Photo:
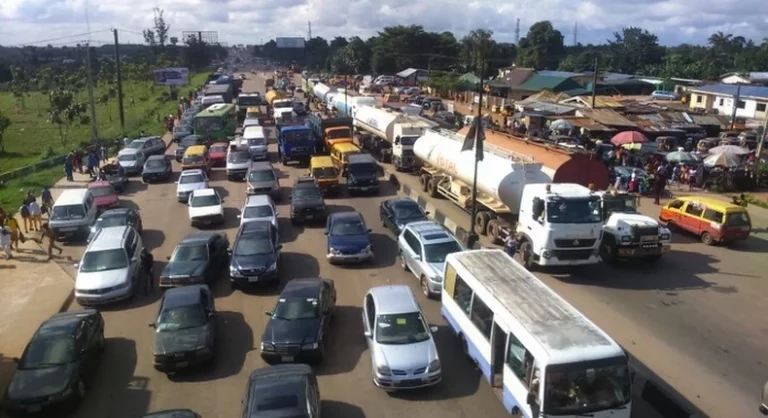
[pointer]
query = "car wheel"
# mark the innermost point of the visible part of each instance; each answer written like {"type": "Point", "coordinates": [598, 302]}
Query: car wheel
{"type": "Point", "coordinates": [425, 287]}
{"type": "Point", "coordinates": [403, 265]}
{"type": "Point", "coordinates": [707, 239]}
{"type": "Point", "coordinates": [608, 252]}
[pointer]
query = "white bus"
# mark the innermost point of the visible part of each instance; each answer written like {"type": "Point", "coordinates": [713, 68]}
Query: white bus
{"type": "Point", "coordinates": [524, 337]}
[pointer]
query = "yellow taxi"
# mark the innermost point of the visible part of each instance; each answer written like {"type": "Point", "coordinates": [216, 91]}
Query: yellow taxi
{"type": "Point", "coordinates": [196, 156]}
{"type": "Point", "coordinates": [712, 220]}
{"type": "Point", "coordinates": [322, 168]}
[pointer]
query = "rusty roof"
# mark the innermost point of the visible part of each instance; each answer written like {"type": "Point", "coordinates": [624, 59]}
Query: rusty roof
{"type": "Point", "coordinates": [605, 117]}
{"type": "Point", "coordinates": [548, 96]}
{"type": "Point", "coordinates": [585, 123]}
{"type": "Point", "coordinates": [710, 120]}
{"type": "Point", "coordinates": [601, 102]}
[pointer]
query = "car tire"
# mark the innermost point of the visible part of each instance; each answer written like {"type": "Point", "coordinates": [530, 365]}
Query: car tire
{"type": "Point", "coordinates": [425, 288]}
{"type": "Point", "coordinates": [403, 265]}
{"type": "Point", "coordinates": [707, 239]}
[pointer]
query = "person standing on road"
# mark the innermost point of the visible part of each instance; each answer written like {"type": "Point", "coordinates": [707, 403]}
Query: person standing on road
{"type": "Point", "coordinates": [68, 167]}
{"type": "Point", "coordinates": [25, 216]}
{"type": "Point", "coordinates": [47, 199]}
{"type": "Point", "coordinates": [16, 235]}
{"type": "Point", "coordinates": [35, 216]}
{"type": "Point", "coordinates": [103, 154]}
{"type": "Point", "coordinates": [148, 265]}
{"type": "Point", "coordinates": [5, 242]}
{"type": "Point", "coordinates": [48, 233]}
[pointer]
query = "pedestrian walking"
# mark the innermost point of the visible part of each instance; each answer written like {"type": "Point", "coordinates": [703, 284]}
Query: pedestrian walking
{"type": "Point", "coordinates": [35, 216]}
{"type": "Point", "coordinates": [126, 142]}
{"type": "Point", "coordinates": [93, 163]}
{"type": "Point", "coordinates": [79, 161]}
{"type": "Point", "coordinates": [51, 236]}
{"type": "Point", "coordinates": [16, 235]}
{"type": "Point", "coordinates": [25, 216]}
{"type": "Point", "coordinates": [148, 264]}
{"type": "Point", "coordinates": [47, 199]}
{"type": "Point", "coordinates": [103, 154]}
{"type": "Point", "coordinates": [5, 242]}
{"type": "Point", "coordinates": [69, 167]}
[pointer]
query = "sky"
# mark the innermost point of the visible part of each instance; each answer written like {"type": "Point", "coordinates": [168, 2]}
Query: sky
{"type": "Point", "coordinates": [257, 21]}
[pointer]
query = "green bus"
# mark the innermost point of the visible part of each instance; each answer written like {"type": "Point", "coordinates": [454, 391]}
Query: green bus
{"type": "Point", "coordinates": [216, 122]}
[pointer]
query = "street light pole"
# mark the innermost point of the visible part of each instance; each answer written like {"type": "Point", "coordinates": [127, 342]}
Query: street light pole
{"type": "Point", "coordinates": [472, 237]}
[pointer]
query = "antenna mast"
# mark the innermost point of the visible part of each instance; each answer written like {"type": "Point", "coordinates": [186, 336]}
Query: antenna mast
{"type": "Point", "coordinates": [575, 33]}
{"type": "Point", "coordinates": [309, 30]}
{"type": "Point", "coordinates": [517, 32]}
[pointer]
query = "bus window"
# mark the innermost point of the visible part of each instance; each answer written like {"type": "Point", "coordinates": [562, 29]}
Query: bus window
{"type": "Point", "coordinates": [482, 317]}
{"type": "Point", "coordinates": [462, 295]}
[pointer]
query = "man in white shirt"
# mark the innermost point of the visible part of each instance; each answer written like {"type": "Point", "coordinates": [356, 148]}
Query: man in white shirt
{"type": "Point", "coordinates": [5, 242]}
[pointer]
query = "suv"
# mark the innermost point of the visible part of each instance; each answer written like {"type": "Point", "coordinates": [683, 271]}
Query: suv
{"type": "Point", "coordinates": [307, 201]}
{"type": "Point", "coordinates": [111, 266]}
{"type": "Point", "coordinates": [403, 351]}
{"type": "Point", "coordinates": [262, 179]}
{"type": "Point", "coordinates": [131, 160]}
{"type": "Point", "coordinates": [153, 145]}
{"type": "Point", "coordinates": [348, 238]}
{"type": "Point", "coordinates": [362, 174]}
{"type": "Point", "coordinates": [422, 248]}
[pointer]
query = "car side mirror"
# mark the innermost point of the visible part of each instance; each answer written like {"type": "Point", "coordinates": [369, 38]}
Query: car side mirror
{"type": "Point", "coordinates": [269, 314]}
{"type": "Point", "coordinates": [417, 257]}
{"type": "Point", "coordinates": [176, 182]}
{"type": "Point", "coordinates": [433, 328]}
{"type": "Point", "coordinates": [76, 265]}
{"type": "Point", "coordinates": [277, 213]}
{"type": "Point", "coordinates": [239, 216]}
{"type": "Point", "coordinates": [367, 334]}
{"type": "Point", "coordinates": [152, 325]}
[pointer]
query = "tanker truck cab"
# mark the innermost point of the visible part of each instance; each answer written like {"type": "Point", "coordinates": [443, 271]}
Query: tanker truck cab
{"type": "Point", "coordinates": [627, 233]}
{"type": "Point", "coordinates": [559, 225]}
{"type": "Point", "coordinates": [406, 135]}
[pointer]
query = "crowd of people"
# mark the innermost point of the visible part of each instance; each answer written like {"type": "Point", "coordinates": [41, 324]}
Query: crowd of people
{"type": "Point", "coordinates": [31, 213]}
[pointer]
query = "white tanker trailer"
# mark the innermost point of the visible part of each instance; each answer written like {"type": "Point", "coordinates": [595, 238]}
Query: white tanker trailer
{"type": "Point", "coordinates": [388, 134]}
{"type": "Point", "coordinates": [556, 223]}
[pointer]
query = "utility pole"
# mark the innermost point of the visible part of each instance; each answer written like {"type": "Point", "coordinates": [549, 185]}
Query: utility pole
{"type": "Point", "coordinates": [594, 81]}
{"type": "Point", "coordinates": [736, 101]}
{"type": "Point", "coordinates": [472, 236]}
{"type": "Point", "coordinates": [759, 150]}
{"type": "Point", "coordinates": [94, 129]}
{"type": "Point", "coordinates": [119, 76]}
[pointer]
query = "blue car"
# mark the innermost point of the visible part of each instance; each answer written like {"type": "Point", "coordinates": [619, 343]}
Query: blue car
{"type": "Point", "coordinates": [348, 238]}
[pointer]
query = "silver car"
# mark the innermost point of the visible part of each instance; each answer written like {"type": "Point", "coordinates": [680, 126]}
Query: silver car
{"type": "Point", "coordinates": [422, 248]}
{"type": "Point", "coordinates": [131, 160]}
{"type": "Point", "coordinates": [403, 351]}
{"type": "Point", "coordinates": [152, 145]}
{"type": "Point", "coordinates": [262, 179]}
{"type": "Point", "coordinates": [259, 208]}
{"type": "Point", "coordinates": [189, 181]}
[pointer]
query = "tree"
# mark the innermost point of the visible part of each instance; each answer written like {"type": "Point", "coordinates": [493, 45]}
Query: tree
{"type": "Point", "coordinates": [5, 122]}
{"type": "Point", "coordinates": [19, 85]}
{"type": "Point", "coordinates": [633, 50]}
{"type": "Point", "coordinates": [65, 111]}
{"type": "Point", "coordinates": [197, 54]}
{"type": "Point", "coordinates": [161, 28]}
{"type": "Point", "coordinates": [542, 47]}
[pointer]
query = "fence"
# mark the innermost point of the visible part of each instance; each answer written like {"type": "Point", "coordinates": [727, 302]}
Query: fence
{"type": "Point", "coordinates": [32, 168]}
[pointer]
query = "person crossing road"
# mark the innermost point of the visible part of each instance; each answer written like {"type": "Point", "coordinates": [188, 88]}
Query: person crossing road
{"type": "Point", "coordinates": [147, 264]}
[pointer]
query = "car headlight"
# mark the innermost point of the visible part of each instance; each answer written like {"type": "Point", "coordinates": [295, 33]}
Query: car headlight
{"type": "Point", "coordinates": [437, 279]}
{"type": "Point", "coordinates": [368, 248]}
{"type": "Point", "coordinates": [434, 366]}
{"type": "Point", "coordinates": [267, 347]}
{"type": "Point", "coordinates": [626, 238]}
{"type": "Point", "coordinates": [384, 371]}
{"type": "Point", "coordinates": [333, 251]}
{"type": "Point", "coordinates": [665, 236]}
{"type": "Point", "coordinates": [311, 346]}
{"type": "Point", "coordinates": [234, 272]}
{"type": "Point", "coordinates": [273, 267]}
{"type": "Point", "coordinates": [64, 394]}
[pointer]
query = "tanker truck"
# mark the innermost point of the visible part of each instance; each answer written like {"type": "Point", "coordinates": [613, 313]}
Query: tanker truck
{"type": "Point", "coordinates": [389, 134]}
{"type": "Point", "coordinates": [321, 91]}
{"type": "Point", "coordinates": [556, 224]}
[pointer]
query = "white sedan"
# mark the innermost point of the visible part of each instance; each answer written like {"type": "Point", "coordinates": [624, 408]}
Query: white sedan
{"type": "Point", "coordinates": [205, 207]}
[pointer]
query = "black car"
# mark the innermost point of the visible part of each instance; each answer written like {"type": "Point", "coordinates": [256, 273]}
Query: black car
{"type": "Point", "coordinates": [157, 168]}
{"type": "Point", "coordinates": [362, 174]}
{"type": "Point", "coordinates": [300, 322]}
{"type": "Point", "coordinates": [184, 129]}
{"type": "Point", "coordinates": [117, 217]}
{"type": "Point", "coordinates": [286, 390]}
{"type": "Point", "coordinates": [198, 258]}
{"type": "Point", "coordinates": [307, 203]}
{"type": "Point", "coordinates": [255, 254]}
{"type": "Point", "coordinates": [185, 328]}
{"type": "Point", "coordinates": [173, 413]}
{"type": "Point", "coordinates": [57, 363]}
{"type": "Point", "coordinates": [398, 212]}
{"type": "Point", "coordinates": [185, 143]}
{"type": "Point", "coordinates": [115, 175]}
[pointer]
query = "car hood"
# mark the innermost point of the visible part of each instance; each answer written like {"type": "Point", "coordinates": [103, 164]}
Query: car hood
{"type": "Point", "coordinates": [101, 279]}
{"type": "Point", "coordinates": [362, 177]}
{"type": "Point", "coordinates": [298, 331]}
{"type": "Point", "coordinates": [154, 170]}
{"type": "Point", "coordinates": [436, 269]}
{"type": "Point", "coordinates": [182, 340]}
{"type": "Point", "coordinates": [127, 163]}
{"type": "Point", "coordinates": [188, 187]}
{"type": "Point", "coordinates": [271, 219]}
{"type": "Point", "coordinates": [351, 242]}
{"type": "Point", "coordinates": [105, 200]}
{"type": "Point", "coordinates": [218, 155]}
{"type": "Point", "coordinates": [307, 203]}
{"type": "Point", "coordinates": [47, 381]}
{"type": "Point", "coordinates": [184, 268]}
{"type": "Point", "coordinates": [255, 261]}
{"type": "Point", "coordinates": [261, 184]}
{"type": "Point", "coordinates": [205, 211]}
{"type": "Point", "coordinates": [628, 220]}
{"type": "Point", "coordinates": [406, 356]}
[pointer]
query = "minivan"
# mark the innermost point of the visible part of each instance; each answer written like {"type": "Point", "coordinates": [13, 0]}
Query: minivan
{"type": "Point", "coordinates": [712, 220]}
{"type": "Point", "coordinates": [362, 174]}
{"type": "Point", "coordinates": [262, 179]}
{"type": "Point", "coordinates": [196, 156]}
{"type": "Point", "coordinates": [257, 142]}
{"type": "Point", "coordinates": [73, 213]}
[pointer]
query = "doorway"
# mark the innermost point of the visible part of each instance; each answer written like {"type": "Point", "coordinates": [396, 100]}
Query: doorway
{"type": "Point", "coordinates": [498, 346]}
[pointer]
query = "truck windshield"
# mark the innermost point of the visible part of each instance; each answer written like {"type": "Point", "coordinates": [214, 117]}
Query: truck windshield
{"type": "Point", "coordinates": [579, 388]}
{"type": "Point", "coordinates": [249, 101]}
{"type": "Point", "coordinates": [573, 211]}
{"type": "Point", "coordinates": [296, 136]}
{"type": "Point", "coordinates": [621, 203]}
{"type": "Point", "coordinates": [338, 133]}
{"type": "Point", "coordinates": [408, 140]}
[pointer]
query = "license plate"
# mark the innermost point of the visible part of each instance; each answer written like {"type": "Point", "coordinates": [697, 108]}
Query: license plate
{"type": "Point", "coordinates": [68, 229]}
{"type": "Point", "coordinates": [253, 279]}
{"type": "Point", "coordinates": [33, 409]}
{"type": "Point", "coordinates": [182, 364]}
{"type": "Point", "coordinates": [287, 359]}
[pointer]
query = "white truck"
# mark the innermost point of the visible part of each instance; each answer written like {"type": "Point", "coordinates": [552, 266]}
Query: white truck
{"type": "Point", "coordinates": [556, 224]}
{"type": "Point", "coordinates": [389, 134]}
{"type": "Point", "coordinates": [282, 110]}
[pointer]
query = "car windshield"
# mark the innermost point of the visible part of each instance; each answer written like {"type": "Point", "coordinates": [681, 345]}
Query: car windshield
{"type": "Point", "coordinates": [739, 219]}
{"type": "Point", "coordinates": [574, 389]}
{"type": "Point", "coordinates": [105, 222]}
{"type": "Point", "coordinates": [206, 200]}
{"type": "Point", "coordinates": [102, 191]}
{"type": "Point", "coordinates": [261, 175]}
{"type": "Point", "coordinates": [195, 252]}
{"type": "Point", "coordinates": [296, 308]}
{"type": "Point", "coordinates": [193, 159]}
{"type": "Point", "coordinates": [251, 212]}
{"type": "Point", "coordinates": [238, 157]}
{"type": "Point", "coordinates": [408, 211]}
{"type": "Point", "coordinates": [104, 260]}
{"type": "Point", "coordinates": [180, 317]}
{"type": "Point", "coordinates": [407, 328]}
{"type": "Point", "coordinates": [620, 203]}
{"type": "Point", "coordinates": [257, 142]}
{"type": "Point", "coordinates": [46, 352]}
{"type": "Point", "coordinates": [126, 157]}
{"type": "Point", "coordinates": [185, 143]}
{"type": "Point", "coordinates": [573, 211]}
{"type": "Point", "coordinates": [68, 212]}
{"type": "Point", "coordinates": [347, 227]}
{"type": "Point", "coordinates": [155, 164]}
{"type": "Point", "coordinates": [191, 178]}
{"type": "Point", "coordinates": [219, 148]}
{"type": "Point", "coordinates": [303, 193]}
{"type": "Point", "coordinates": [362, 170]}
{"type": "Point", "coordinates": [436, 253]}
{"type": "Point", "coordinates": [324, 172]}
{"type": "Point", "coordinates": [136, 145]}
{"type": "Point", "coordinates": [297, 136]}
{"type": "Point", "coordinates": [253, 244]}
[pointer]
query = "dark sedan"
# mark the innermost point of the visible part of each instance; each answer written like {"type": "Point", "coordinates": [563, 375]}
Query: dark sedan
{"type": "Point", "coordinates": [299, 324]}
{"type": "Point", "coordinates": [173, 413]}
{"type": "Point", "coordinates": [57, 364]}
{"type": "Point", "coordinates": [286, 390]}
{"type": "Point", "coordinates": [117, 217]}
{"type": "Point", "coordinates": [396, 213]}
{"type": "Point", "coordinates": [185, 328]}
{"type": "Point", "coordinates": [348, 238]}
{"type": "Point", "coordinates": [307, 203]}
{"type": "Point", "coordinates": [198, 258]}
{"type": "Point", "coordinates": [185, 143]}
{"type": "Point", "coordinates": [182, 131]}
{"type": "Point", "coordinates": [255, 254]}
{"type": "Point", "coordinates": [157, 168]}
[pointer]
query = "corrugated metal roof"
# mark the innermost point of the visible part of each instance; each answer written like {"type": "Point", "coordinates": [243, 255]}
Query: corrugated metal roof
{"type": "Point", "coordinates": [578, 91]}
{"type": "Point", "coordinates": [585, 123]}
{"type": "Point", "coordinates": [408, 72]}
{"type": "Point", "coordinates": [539, 82]}
{"type": "Point", "coordinates": [600, 102]}
{"type": "Point", "coordinates": [540, 106]}
{"type": "Point", "coordinates": [560, 74]}
{"type": "Point", "coordinates": [755, 92]}
{"type": "Point", "coordinates": [710, 120]}
{"type": "Point", "coordinates": [546, 96]}
{"type": "Point", "coordinates": [605, 117]}
{"type": "Point", "coordinates": [512, 78]}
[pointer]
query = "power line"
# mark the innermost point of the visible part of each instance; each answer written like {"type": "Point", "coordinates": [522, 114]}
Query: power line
{"type": "Point", "coordinates": [46, 41]}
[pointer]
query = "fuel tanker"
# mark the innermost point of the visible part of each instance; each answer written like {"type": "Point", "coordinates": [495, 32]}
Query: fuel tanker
{"type": "Point", "coordinates": [389, 134]}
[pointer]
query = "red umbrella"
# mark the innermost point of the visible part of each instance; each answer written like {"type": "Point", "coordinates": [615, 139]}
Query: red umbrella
{"type": "Point", "coordinates": [628, 137]}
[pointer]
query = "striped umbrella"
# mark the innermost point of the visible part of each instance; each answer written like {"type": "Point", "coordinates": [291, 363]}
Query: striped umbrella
{"type": "Point", "coordinates": [722, 160]}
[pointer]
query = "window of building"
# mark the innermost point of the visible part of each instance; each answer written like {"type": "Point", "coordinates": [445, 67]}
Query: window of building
{"type": "Point", "coordinates": [720, 102]}
{"type": "Point", "coordinates": [699, 98]}
{"type": "Point", "coordinates": [482, 317]}
{"type": "Point", "coordinates": [760, 107]}
{"type": "Point", "coordinates": [741, 104]}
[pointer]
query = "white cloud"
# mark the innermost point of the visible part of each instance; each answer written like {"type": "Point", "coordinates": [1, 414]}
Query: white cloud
{"type": "Point", "coordinates": [249, 21]}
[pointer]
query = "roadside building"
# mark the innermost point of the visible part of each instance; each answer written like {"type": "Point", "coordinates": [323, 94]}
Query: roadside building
{"type": "Point", "coordinates": [721, 99]}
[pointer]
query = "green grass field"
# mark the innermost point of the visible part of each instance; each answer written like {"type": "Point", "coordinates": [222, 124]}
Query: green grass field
{"type": "Point", "coordinates": [31, 139]}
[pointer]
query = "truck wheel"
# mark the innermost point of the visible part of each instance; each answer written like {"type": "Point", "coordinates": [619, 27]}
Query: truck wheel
{"type": "Point", "coordinates": [494, 228]}
{"type": "Point", "coordinates": [707, 239]}
{"type": "Point", "coordinates": [423, 181]}
{"type": "Point", "coordinates": [481, 222]}
{"type": "Point", "coordinates": [608, 252]}
{"type": "Point", "coordinates": [526, 255]}
{"type": "Point", "coordinates": [432, 188]}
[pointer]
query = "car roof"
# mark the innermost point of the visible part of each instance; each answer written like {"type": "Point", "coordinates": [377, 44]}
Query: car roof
{"type": "Point", "coordinates": [258, 200]}
{"type": "Point", "coordinates": [204, 192]}
{"type": "Point", "coordinates": [71, 197]}
{"type": "Point", "coordinates": [429, 231]}
{"type": "Point", "coordinates": [198, 237]}
{"type": "Point", "coordinates": [156, 157]}
{"type": "Point", "coordinates": [394, 299]}
{"type": "Point", "coordinates": [277, 371]}
{"type": "Point", "coordinates": [306, 183]}
{"type": "Point", "coordinates": [261, 165]}
{"type": "Point", "coordinates": [196, 149]}
{"type": "Point", "coordinates": [302, 288]}
{"type": "Point", "coordinates": [115, 212]}
{"type": "Point", "coordinates": [97, 184]}
{"type": "Point", "coordinates": [125, 151]}
{"type": "Point", "coordinates": [360, 158]}
{"type": "Point", "coordinates": [715, 204]}
{"type": "Point", "coordinates": [183, 296]}
{"type": "Point", "coordinates": [191, 172]}
{"type": "Point", "coordinates": [109, 238]}
{"type": "Point", "coordinates": [63, 323]}
{"type": "Point", "coordinates": [348, 215]}
{"type": "Point", "coordinates": [346, 147]}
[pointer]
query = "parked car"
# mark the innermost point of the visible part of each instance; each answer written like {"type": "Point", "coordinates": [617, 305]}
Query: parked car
{"type": "Point", "coordinates": [347, 238]}
{"type": "Point", "coordinates": [199, 258]}
{"type": "Point", "coordinates": [117, 217]}
{"type": "Point", "coordinates": [189, 181]}
{"type": "Point", "coordinates": [218, 154]}
{"type": "Point", "coordinates": [299, 323]}
{"type": "Point", "coordinates": [150, 146]}
{"type": "Point", "coordinates": [157, 168]}
{"type": "Point", "coordinates": [255, 255]}
{"type": "Point", "coordinates": [398, 212]}
{"type": "Point", "coordinates": [664, 95]}
{"type": "Point", "coordinates": [57, 364]}
{"type": "Point", "coordinates": [182, 130]}
{"type": "Point", "coordinates": [205, 207]}
{"type": "Point", "coordinates": [422, 248]}
{"type": "Point", "coordinates": [307, 203]}
{"type": "Point", "coordinates": [115, 175]}
{"type": "Point", "coordinates": [275, 392]}
{"type": "Point", "coordinates": [173, 413]}
{"type": "Point", "coordinates": [259, 207]}
{"type": "Point", "coordinates": [185, 329]}
{"type": "Point", "coordinates": [186, 142]}
{"type": "Point", "coordinates": [104, 195]}
{"type": "Point", "coordinates": [403, 351]}
{"type": "Point", "coordinates": [131, 160]}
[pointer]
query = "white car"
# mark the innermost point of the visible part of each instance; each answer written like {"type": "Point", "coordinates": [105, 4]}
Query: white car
{"type": "Point", "coordinates": [205, 207]}
{"type": "Point", "coordinates": [259, 207]}
{"type": "Point", "coordinates": [189, 181]}
{"type": "Point", "coordinates": [423, 247]}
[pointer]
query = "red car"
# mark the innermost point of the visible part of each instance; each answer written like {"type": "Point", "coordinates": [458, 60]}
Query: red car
{"type": "Point", "coordinates": [104, 195]}
{"type": "Point", "coordinates": [218, 153]}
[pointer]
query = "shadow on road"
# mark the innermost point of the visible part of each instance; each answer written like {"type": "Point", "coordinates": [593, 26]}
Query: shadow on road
{"type": "Point", "coordinates": [652, 397]}
{"type": "Point", "coordinates": [288, 231]}
{"type": "Point", "coordinates": [384, 250]}
{"type": "Point", "coordinates": [153, 238]}
{"type": "Point", "coordinates": [338, 409]}
{"type": "Point", "coordinates": [135, 185]}
{"type": "Point", "coordinates": [345, 343]}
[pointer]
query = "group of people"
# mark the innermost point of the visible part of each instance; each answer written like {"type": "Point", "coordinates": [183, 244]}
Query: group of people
{"type": "Point", "coordinates": [85, 161]}
{"type": "Point", "coordinates": [31, 212]}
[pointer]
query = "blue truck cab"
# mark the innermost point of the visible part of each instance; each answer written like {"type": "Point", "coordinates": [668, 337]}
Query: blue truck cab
{"type": "Point", "coordinates": [295, 143]}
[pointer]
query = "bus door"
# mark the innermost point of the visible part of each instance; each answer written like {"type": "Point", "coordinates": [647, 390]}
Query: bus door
{"type": "Point", "coordinates": [517, 376]}
{"type": "Point", "coordinates": [498, 349]}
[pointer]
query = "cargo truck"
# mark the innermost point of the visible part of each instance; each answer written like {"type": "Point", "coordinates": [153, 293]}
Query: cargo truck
{"type": "Point", "coordinates": [244, 101]}
{"type": "Point", "coordinates": [389, 135]}
{"type": "Point", "coordinates": [329, 131]}
{"type": "Point", "coordinates": [223, 90]}
{"type": "Point", "coordinates": [555, 223]}
{"type": "Point", "coordinates": [295, 143]}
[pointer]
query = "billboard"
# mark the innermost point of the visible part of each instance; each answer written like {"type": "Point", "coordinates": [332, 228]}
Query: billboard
{"type": "Point", "coordinates": [290, 42]}
{"type": "Point", "coordinates": [172, 76]}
